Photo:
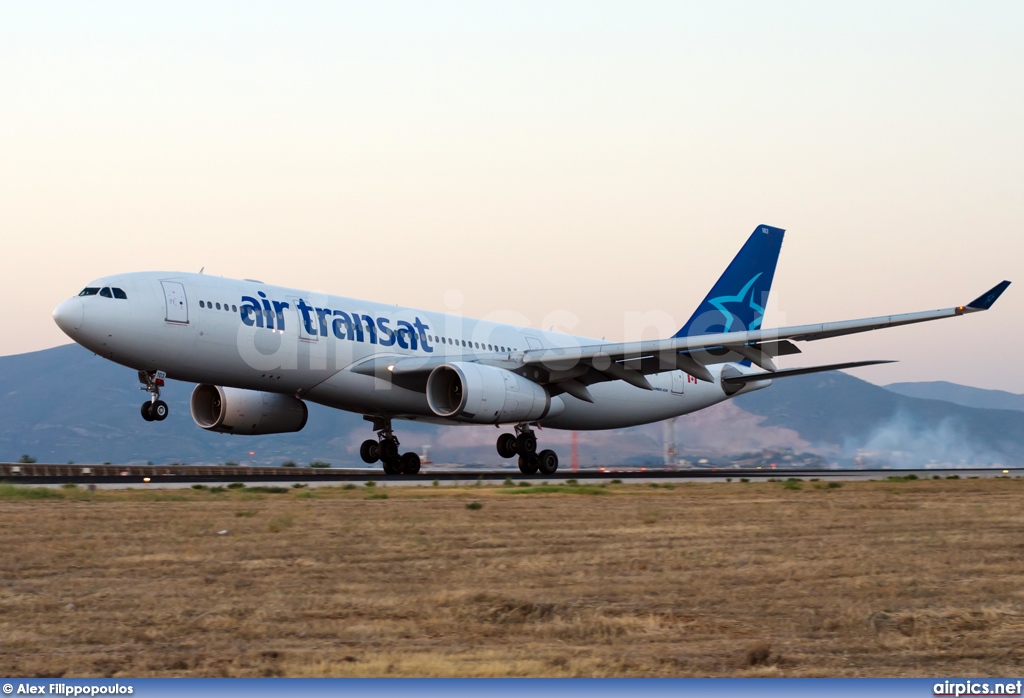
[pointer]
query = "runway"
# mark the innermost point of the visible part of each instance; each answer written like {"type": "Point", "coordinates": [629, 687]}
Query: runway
{"type": "Point", "coordinates": [187, 475]}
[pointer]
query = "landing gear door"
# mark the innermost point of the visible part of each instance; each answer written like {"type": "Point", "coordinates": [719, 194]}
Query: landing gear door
{"type": "Point", "coordinates": [177, 306]}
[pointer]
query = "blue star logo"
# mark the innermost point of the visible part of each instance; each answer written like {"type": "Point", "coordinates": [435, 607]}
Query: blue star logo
{"type": "Point", "coordinates": [720, 302]}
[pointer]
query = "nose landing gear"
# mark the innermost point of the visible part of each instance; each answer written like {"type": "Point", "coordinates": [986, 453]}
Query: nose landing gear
{"type": "Point", "coordinates": [385, 449]}
{"type": "Point", "coordinates": [154, 409]}
{"type": "Point", "coordinates": [524, 444]}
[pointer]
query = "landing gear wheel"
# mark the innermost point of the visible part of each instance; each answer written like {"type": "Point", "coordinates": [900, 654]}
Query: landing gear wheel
{"type": "Point", "coordinates": [547, 462]}
{"type": "Point", "coordinates": [389, 450]}
{"type": "Point", "coordinates": [410, 463]}
{"type": "Point", "coordinates": [369, 451]}
{"type": "Point", "coordinates": [507, 445]}
{"type": "Point", "coordinates": [392, 467]}
{"type": "Point", "coordinates": [528, 465]}
{"type": "Point", "coordinates": [526, 444]}
{"type": "Point", "coordinates": [158, 410]}
{"type": "Point", "coordinates": [146, 414]}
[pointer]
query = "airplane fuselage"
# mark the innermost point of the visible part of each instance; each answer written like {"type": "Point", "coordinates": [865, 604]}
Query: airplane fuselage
{"type": "Point", "coordinates": [253, 336]}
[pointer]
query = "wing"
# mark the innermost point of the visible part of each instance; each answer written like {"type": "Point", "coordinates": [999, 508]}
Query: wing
{"type": "Point", "coordinates": [571, 370]}
{"type": "Point", "coordinates": [631, 361]}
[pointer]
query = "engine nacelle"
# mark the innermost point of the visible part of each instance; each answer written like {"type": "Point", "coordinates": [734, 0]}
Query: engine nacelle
{"type": "Point", "coordinates": [237, 411]}
{"type": "Point", "coordinates": [482, 394]}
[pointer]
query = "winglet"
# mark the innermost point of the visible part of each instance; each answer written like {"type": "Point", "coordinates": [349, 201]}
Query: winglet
{"type": "Point", "coordinates": [985, 300]}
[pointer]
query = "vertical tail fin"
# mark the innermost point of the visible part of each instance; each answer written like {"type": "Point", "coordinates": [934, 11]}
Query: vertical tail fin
{"type": "Point", "coordinates": [737, 301]}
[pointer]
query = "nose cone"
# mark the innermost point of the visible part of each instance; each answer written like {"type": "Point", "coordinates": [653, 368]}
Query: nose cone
{"type": "Point", "coordinates": [68, 316]}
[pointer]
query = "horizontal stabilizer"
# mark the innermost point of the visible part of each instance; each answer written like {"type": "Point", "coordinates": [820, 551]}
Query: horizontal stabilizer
{"type": "Point", "coordinates": [786, 373]}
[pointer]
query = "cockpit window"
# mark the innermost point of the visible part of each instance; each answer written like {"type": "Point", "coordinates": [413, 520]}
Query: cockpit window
{"type": "Point", "coordinates": [89, 291]}
{"type": "Point", "coordinates": [118, 293]}
{"type": "Point", "coordinates": [106, 292]}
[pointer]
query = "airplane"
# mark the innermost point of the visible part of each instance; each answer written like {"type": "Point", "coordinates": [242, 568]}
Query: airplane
{"type": "Point", "coordinates": [259, 352]}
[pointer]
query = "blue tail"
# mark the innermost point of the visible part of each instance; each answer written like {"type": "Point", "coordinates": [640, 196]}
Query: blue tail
{"type": "Point", "coordinates": [737, 302]}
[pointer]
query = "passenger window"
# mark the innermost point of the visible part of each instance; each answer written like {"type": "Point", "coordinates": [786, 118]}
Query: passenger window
{"type": "Point", "coordinates": [90, 291]}
{"type": "Point", "coordinates": [106, 292]}
{"type": "Point", "coordinates": [118, 293]}
{"type": "Point", "coordinates": [218, 306]}
{"type": "Point", "coordinates": [463, 342]}
{"type": "Point", "coordinates": [234, 309]}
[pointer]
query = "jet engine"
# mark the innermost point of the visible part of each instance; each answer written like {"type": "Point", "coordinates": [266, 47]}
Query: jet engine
{"type": "Point", "coordinates": [237, 411]}
{"type": "Point", "coordinates": [480, 394]}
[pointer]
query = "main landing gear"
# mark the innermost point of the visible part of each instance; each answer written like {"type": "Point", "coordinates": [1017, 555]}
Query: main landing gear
{"type": "Point", "coordinates": [385, 450]}
{"type": "Point", "coordinates": [154, 409]}
{"type": "Point", "coordinates": [524, 444]}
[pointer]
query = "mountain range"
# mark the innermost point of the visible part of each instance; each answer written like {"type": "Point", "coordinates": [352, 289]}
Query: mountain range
{"type": "Point", "coordinates": [960, 395]}
{"type": "Point", "coordinates": [66, 404]}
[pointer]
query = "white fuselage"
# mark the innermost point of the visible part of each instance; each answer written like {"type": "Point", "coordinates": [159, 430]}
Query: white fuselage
{"type": "Point", "coordinates": [249, 335]}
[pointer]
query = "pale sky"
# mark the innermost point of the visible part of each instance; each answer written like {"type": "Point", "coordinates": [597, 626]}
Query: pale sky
{"type": "Point", "coordinates": [552, 160]}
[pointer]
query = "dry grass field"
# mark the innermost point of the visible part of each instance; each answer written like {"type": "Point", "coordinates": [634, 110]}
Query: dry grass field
{"type": "Point", "coordinates": [907, 578]}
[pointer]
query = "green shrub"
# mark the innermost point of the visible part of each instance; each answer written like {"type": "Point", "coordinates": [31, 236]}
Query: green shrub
{"type": "Point", "coordinates": [246, 513]}
{"type": "Point", "coordinates": [69, 486]}
{"type": "Point", "coordinates": [267, 489]}
{"type": "Point", "coordinates": [319, 464]}
{"type": "Point", "coordinates": [218, 489]}
{"type": "Point", "coordinates": [474, 506]}
{"type": "Point", "coordinates": [8, 491]}
{"type": "Point", "coordinates": [349, 486]}
{"type": "Point", "coordinates": [199, 487]}
{"type": "Point", "coordinates": [572, 481]}
{"type": "Point", "coordinates": [299, 485]}
{"type": "Point", "coordinates": [26, 459]}
{"type": "Point", "coordinates": [744, 479]}
{"type": "Point", "coordinates": [834, 485]}
{"type": "Point", "coordinates": [304, 495]}
{"type": "Point", "coordinates": [371, 483]}
{"type": "Point", "coordinates": [616, 482]}
{"type": "Point", "coordinates": [378, 495]}
{"type": "Point", "coordinates": [236, 486]}
{"type": "Point", "coordinates": [508, 482]}
{"type": "Point", "coordinates": [289, 464]}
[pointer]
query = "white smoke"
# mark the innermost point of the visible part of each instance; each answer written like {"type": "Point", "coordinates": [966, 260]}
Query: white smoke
{"type": "Point", "coordinates": [904, 442]}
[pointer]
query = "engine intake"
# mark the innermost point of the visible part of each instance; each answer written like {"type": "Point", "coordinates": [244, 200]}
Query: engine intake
{"type": "Point", "coordinates": [237, 411]}
{"type": "Point", "coordinates": [480, 394]}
